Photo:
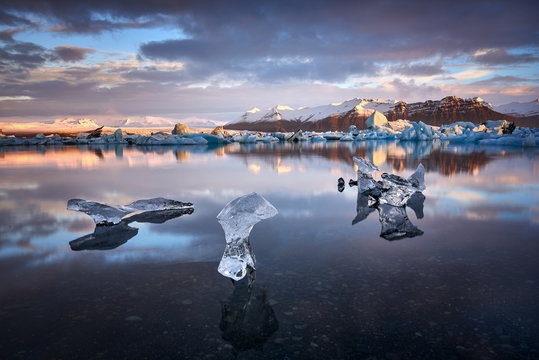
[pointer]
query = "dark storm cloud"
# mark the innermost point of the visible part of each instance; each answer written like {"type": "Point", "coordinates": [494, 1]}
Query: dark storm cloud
{"type": "Point", "coordinates": [7, 35]}
{"type": "Point", "coordinates": [315, 40]}
{"type": "Point", "coordinates": [98, 26]}
{"type": "Point", "coordinates": [502, 57]}
{"type": "Point", "coordinates": [72, 53]}
{"type": "Point", "coordinates": [424, 69]}
{"type": "Point", "coordinates": [12, 20]}
{"type": "Point", "coordinates": [17, 58]}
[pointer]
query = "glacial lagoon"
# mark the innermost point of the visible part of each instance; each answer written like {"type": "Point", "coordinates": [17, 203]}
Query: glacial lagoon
{"type": "Point", "coordinates": [327, 285]}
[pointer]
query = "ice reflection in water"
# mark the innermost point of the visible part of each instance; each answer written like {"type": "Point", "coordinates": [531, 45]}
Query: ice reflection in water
{"type": "Point", "coordinates": [247, 317]}
{"type": "Point", "coordinates": [468, 282]}
{"type": "Point", "coordinates": [108, 237]}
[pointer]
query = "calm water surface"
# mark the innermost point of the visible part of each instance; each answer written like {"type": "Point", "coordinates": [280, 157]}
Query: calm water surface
{"type": "Point", "coordinates": [324, 288]}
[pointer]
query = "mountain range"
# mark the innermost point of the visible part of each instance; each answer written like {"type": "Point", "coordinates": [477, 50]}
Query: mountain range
{"type": "Point", "coordinates": [339, 116]}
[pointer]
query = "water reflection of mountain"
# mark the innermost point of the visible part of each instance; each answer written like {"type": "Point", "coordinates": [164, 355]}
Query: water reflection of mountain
{"type": "Point", "coordinates": [399, 156]}
{"type": "Point", "coordinates": [436, 156]}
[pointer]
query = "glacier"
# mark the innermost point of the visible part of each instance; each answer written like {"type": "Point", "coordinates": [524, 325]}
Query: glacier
{"type": "Point", "coordinates": [237, 219]}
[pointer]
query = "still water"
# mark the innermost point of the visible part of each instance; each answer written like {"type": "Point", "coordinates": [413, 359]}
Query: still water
{"type": "Point", "coordinates": [325, 288]}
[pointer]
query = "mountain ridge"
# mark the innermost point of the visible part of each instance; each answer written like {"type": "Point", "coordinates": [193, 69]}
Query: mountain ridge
{"type": "Point", "coordinates": [339, 116]}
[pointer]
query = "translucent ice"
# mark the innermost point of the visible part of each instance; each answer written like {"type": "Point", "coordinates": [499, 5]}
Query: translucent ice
{"type": "Point", "coordinates": [100, 213]}
{"type": "Point", "coordinates": [237, 219]}
{"type": "Point", "coordinates": [395, 223]}
{"type": "Point", "coordinates": [365, 180]}
{"type": "Point", "coordinates": [396, 190]}
{"type": "Point", "coordinates": [158, 204]}
{"type": "Point", "coordinates": [110, 236]}
{"type": "Point", "coordinates": [417, 179]}
{"type": "Point", "coordinates": [365, 166]}
{"type": "Point", "coordinates": [103, 214]}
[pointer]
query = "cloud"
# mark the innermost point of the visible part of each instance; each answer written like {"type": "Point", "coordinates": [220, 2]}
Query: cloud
{"type": "Point", "coordinates": [421, 69]}
{"type": "Point", "coordinates": [502, 81]}
{"type": "Point", "coordinates": [17, 58]}
{"type": "Point", "coordinates": [7, 34]}
{"type": "Point", "coordinates": [13, 20]}
{"type": "Point", "coordinates": [471, 74]}
{"type": "Point", "coordinates": [98, 26]}
{"type": "Point", "coordinates": [502, 57]}
{"type": "Point", "coordinates": [72, 53]}
{"type": "Point", "coordinates": [295, 40]}
{"type": "Point", "coordinates": [411, 89]}
{"type": "Point", "coordinates": [228, 56]}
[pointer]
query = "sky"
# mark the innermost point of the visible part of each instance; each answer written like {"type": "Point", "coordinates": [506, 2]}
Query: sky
{"type": "Point", "coordinates": [212, 60]}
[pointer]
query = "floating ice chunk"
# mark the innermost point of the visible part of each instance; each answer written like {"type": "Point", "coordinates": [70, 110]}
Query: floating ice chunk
{"type": "Point", "coordinates": [529, 141]}
{"type": "Point", "coordinates": [347, 137]}
{"type": "Point", "coordinates": [365, 166]}
{"type": "Point", "coordinates": [317, 138]}
{"type": "Point", "coordinates": [158, 204]}
{"type": "Point", "coordinates": [377, 121]}
{"type": "Point", "coordinates": [417, 179]}
{"type": "Point", "coordinates": [101, 214]}
{"type": "Point", "coordinates": [332, 135]}
{"type": "Point", "coordinates": [107, 236]}
{"type": "Point", "coordinates": [158, 216]}
{"type": "Point", "coordinates": [237, 219]}
{"type": "Point", "coordinates": [395, 223]}
{"type": "Point", "coordinates": [365, 182]}
{"type": "Point", "coordinates": [418, 131]}
{"type": "Point", "coordinates": [396, 190]}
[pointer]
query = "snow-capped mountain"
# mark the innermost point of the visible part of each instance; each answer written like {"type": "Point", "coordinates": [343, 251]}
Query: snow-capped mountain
{"type": "Point", "coordinates": [339, 116]}
{"type": "Point", "coordinates": [447, 110]}
{"type": "Point", "coordinates": [519, 109]}
{"type": "Point", "coordinates": [282, 112]}
{"type": "Point", "coordinates": [154, 121]}
{"type": "Point", "coordinates": [147, 121]}
{"type": "Point", "coordinates": [73, 122]}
